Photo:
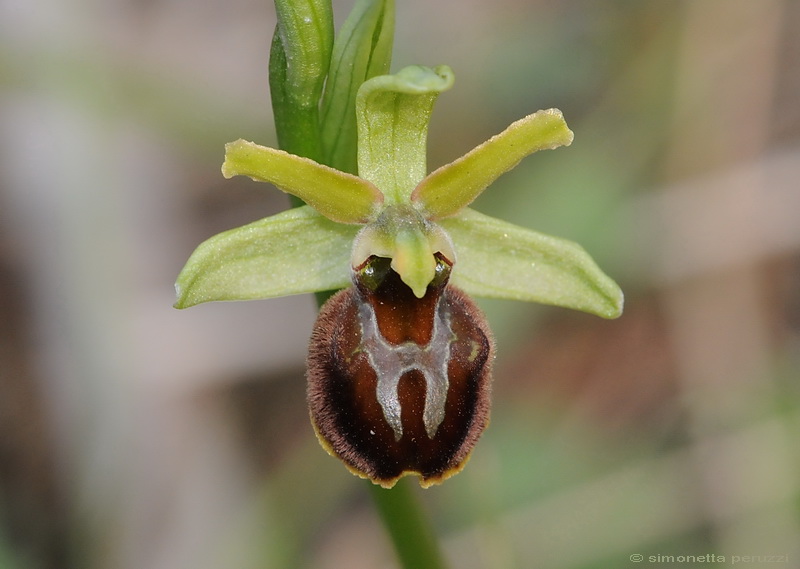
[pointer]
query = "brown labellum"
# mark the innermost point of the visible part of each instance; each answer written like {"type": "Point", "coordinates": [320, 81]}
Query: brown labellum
{"type": "Point", "coordinates": [399, 384]}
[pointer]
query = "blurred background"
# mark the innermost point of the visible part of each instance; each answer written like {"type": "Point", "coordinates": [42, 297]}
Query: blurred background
{"type": "Point", "coordinates": [136, 436]}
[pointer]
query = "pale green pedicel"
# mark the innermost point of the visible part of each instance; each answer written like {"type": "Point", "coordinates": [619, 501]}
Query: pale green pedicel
{"type": "Point", "coordinates": [407, 215]}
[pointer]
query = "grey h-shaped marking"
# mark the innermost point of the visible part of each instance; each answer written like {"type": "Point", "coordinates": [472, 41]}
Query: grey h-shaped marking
{"type": "Point", "coordinates": [390, 362]}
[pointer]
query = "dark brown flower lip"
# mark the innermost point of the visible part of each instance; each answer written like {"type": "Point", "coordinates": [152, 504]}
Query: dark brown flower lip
{"type": "Point", "coordinates": [344, 374]}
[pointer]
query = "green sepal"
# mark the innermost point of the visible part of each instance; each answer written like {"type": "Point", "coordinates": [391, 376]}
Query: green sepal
{"type": "Point", "coordinates": [336, 195]}
{"type": "Point", "coordinates": [362, 49]}
{"type": "Point", "coordinates": [299, 61]}
{"type": "Point", "coordinates": [392, 112]}
{"type": "Point", "coordinates": [454, 186]}
{"type": "Point", "coordinates": [497, 259]}
{"type": "Point", "coordinates": [293, 252]}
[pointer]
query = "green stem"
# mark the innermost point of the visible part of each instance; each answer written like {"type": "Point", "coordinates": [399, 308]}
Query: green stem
{"type": "Point", "coordinates": [405, 521]}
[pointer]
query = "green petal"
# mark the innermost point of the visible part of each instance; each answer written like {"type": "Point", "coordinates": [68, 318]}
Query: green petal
{"type": "Point", "coordinates": [299, 59]}
{"type": "Point", "coordinates": [293, 252]}
{"type": "Point", "coordinates": [456, 185]}
{"type": "Point", "coordinates": [338, 196]}
{"type": "Point", "coordinates": [500, 260]}
{"type": "Point", "coordinates": [363, 49]}
{"type": "Point", "coordinates": [392, 112]}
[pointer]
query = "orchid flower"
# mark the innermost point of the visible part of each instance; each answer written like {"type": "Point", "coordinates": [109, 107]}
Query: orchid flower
{"type": "Point", "coordinates": [399, 365]}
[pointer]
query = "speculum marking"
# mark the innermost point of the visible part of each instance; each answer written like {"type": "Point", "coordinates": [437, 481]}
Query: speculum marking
{"type": "Point", "coordinates": [391, 361]}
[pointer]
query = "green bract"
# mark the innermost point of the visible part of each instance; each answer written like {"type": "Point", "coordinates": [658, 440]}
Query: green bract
{"type": "Point", "coordinates": [363, 49]}
{"type": "Point", "coordinates": [298, 65]}
{"type": "Point", "coordinates": [392, 209]}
